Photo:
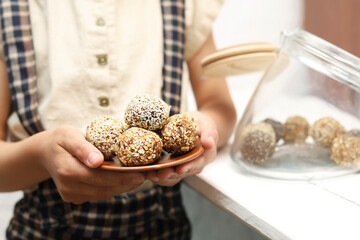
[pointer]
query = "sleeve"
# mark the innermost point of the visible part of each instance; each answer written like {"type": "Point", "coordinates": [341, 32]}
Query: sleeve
{"type": "Point", "coordinates": [199, 18]}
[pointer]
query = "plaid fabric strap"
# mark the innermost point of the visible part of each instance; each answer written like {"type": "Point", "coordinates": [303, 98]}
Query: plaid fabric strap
{"type": "Point", "coordinates": [174, 41]}
{"type": "Point", "coordinates": [20, 61]}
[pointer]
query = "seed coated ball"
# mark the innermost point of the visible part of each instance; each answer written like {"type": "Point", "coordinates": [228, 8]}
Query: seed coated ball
{"type": "Point", "coordinates": [278, 128]}
{"type": "Point", "coordinates": [345, 150]}
{"type": "Point", "coordinates": [147, 112]}
{"type": "Point", "coordinates": [179, 134]}
{"type": "Point", "coordinates": [296, 130]}
{"type": "Point", "coordinates": [139, 146]}
{"type": "Point", "coordinates": [354, 132]}
{"type": "Point", "coordinates": [324, 130]}
{"type": "Point", "coordinates": [258, 142]}
{"type": "Point", "coordinates": [103, 132]}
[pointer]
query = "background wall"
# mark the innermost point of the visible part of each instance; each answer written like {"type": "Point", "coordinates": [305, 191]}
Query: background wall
{"type": "Point", "coordinates": [240, 21]}
{"type": "Point", "coordinates": [244, 21]}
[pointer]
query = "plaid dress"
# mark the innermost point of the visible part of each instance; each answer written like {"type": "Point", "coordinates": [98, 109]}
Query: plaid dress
{"type": "Point", "coordinates": [156, 213]}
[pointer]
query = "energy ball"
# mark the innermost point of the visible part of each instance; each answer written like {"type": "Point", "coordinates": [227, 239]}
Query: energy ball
{"type": "Point", "coordinates": [138, 146]}
{"type": "Point", "coordinates": [258, 142]}
{"type": "Point", "coordinates": [345, 150]}
{"type": "Point", "coordinates": [354, 132]}
{"type": "Point", "coordinates": [179, 134]}
{"type": "Point", "coordinates": [103, 132]}
{"type": "Point", "coordinates": [296, 130]}
{"type": "Point", "coordinates": [324, 130]}
{"type": "Point", "coordinates": [278, 128]}
{"type": "Point", "coordinates": [147, 112]}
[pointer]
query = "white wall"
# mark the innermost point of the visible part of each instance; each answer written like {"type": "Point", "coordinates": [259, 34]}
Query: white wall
{"type": "Point", "coordinates": [244, 21]}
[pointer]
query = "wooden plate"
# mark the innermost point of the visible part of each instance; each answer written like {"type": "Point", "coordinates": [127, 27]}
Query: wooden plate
{"type": "Point", "coordinates": [240, 64]}
{"type": "Point", "coordinates": [166, 160]}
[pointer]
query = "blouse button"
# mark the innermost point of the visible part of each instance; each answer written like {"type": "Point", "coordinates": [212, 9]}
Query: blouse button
{"type": "Point", "coordinates": [100, 22]}
{"type": "Point", "coordinates": [102, 59]}
{"type": "Point", "coordinates": [104, 101]}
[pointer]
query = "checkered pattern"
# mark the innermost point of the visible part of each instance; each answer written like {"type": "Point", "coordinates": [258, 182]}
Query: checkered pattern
{"type": "Point", "coordinates": [174, 41]}
{"type": "Point", "coordinates": [20, 61]}
{"type": "Point", "coordinates": [153, 214]}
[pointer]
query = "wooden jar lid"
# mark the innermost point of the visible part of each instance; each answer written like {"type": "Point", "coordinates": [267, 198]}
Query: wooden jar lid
{"type": "Point", "coordinates": [239, 59]}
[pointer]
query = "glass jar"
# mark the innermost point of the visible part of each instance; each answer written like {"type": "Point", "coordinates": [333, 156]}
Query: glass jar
{"type": "Point", "coordinates": [301, 121]}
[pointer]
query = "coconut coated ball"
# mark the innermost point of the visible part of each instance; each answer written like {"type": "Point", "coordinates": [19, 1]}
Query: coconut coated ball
{"type": "Point", "coordinates": [147, 112]}
{"type": "Point", "coordinates": [324, 130]}
{"type": "Point", "coordinates": [103, 132]}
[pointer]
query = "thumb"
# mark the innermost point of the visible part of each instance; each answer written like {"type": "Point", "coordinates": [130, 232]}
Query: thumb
{"type": "Point", "coordinates": [94, 159]}
{"type": "Point", "coordinates": [75, 143]}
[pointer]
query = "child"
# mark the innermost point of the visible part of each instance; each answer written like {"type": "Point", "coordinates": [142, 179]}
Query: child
{"type": "Point", "coordinates": [86, 58]}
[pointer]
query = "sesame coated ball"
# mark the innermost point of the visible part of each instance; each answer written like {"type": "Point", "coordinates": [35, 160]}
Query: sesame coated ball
{"type": "Point", "coordinates": [324, 130]}
{"type": "Point", "coordinates": [296, 129]}
{"type": "Point", "coordinates": [138, 146]}
{"type": "Point", "coordinates": [147, 112]}
{"type": "Point", "coordinates": [345, 150]}
{"type": "Point", "coordinates": [103, 132]}
{"type": "Point", "coordinates": [258, 142]}
{"type": "Point", "coordinates": [278, 128]}
{"type": "Point", "coordinates": [179, 134]}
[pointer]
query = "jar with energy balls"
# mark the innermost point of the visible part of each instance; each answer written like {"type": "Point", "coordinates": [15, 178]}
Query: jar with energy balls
{"type": "Point", "coordinates": [303, 120]}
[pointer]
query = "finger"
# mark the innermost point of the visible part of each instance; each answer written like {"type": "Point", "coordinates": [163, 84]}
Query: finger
{"type": "Point", "coordinates": [167, 173]}
{"type": "Point", "coordinates": [164, 177]}
{"type": "Point", "coordinates": [73, 141]}
{"type": "Point", "coordinates": [204, 123]}
{"type": "Point", "coordinates": [197, 165]}
{"type": "Point", "coordinates": [190, 168]}
{"type": "Point", "coordinates": [160, 175]}
{"type": "Point", "coordinates": [169, 182]}
{"type": "Point", "coordinates": [207, 141]}
{"type": "Point", "coordinates": [152, 176]}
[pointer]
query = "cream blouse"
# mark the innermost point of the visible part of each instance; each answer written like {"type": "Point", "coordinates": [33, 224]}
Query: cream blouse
{"type": "Point", "coordinates": [93, 56]}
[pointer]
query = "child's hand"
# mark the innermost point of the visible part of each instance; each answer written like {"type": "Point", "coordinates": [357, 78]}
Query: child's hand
{"type": "Point", "coordinates": [72, 163]}
{"type": "Point", "coordinates": [208, 137]}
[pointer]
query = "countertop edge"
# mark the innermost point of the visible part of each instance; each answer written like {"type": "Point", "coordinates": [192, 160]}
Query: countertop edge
{"type": "Point", "coordinates": [233, 208]}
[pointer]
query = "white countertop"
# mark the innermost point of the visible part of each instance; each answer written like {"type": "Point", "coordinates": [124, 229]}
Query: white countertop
{"type": "Point", "coordinates": [327, 209]}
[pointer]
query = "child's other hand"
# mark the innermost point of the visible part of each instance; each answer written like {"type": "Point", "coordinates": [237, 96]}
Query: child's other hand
{"type": "Point", "coordinates": [72, 163]}
{"type": "Point", "coordinates": [208, 137]}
